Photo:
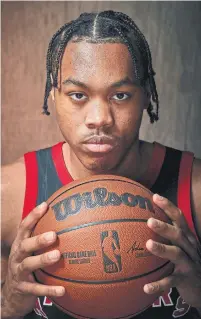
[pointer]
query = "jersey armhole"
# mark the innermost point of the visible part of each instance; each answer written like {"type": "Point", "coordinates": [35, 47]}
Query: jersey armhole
{"type": "Point", "coordinates": [31, 189]}
{"type": "Point", "coordinates": [184, 189]}
{"type": "Point", "coordinates": [155, 165]}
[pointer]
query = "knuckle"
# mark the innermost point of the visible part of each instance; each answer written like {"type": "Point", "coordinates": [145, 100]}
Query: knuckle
{"type": "Point", "coordinates": [21, 288]}
{"type": "Point", "coordinates": [179, 253]}
{"type": "Point", "coordinates": [39, 240]}
{"type": "Point", "coordinates": [23, 224]}
{"type": "Point", "coordinates": [164, 226]}
{"type": "Point", "coordinates": [12, 256]}
{"type": "Point", "coordinates": [179, 213]}
{"type": "Point", "coordinates": [22, 266]}
{"type": "Point", "coordinates": [22, 248]}
{"type": "Point", "coordinates": [179, 234]}
{"type": "Point", "coordinates": [154, 287]}
{"type": "Point", "coordinates": [45, 259]}
{"type": "Point", "coordinates": [34, 213]}
{"type": "Point", "coordinates": [194, 241]}
{"type": "Point", "coordinates": [161, 248]}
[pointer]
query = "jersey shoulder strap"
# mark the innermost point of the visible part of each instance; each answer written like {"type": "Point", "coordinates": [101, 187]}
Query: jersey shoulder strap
{"type": "Point", "coordinates": [171, 171]}
{"type": "Point", "coordinates": [45, 174]}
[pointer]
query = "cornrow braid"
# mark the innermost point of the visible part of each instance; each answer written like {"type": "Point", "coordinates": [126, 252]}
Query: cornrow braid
{"type": "Point", "coordinates": [63, 43]}
{"type": "Point", "coordinates": [153, 116]}
{"type": "Point", "coordinates": [130, 49]}
{"type": "Point", "coordinates": [105, 26]}
{"type": "Point", "coordinates": [49, 83]}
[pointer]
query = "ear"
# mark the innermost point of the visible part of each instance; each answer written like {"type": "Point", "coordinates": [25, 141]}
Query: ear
{"type": "Point", "coordinates": [52, 93]}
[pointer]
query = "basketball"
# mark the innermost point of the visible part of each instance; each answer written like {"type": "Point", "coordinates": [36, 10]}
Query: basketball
{"type": "Point", "coordinates": [101, 223]}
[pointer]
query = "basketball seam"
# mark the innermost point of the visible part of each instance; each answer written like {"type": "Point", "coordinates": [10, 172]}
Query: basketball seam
{"type": "Point", "coordinates": [93, 282]}
{"type": "Point", "coordinates": [98, 180]}
{"type": "Point", "coordinates": [66, 230]}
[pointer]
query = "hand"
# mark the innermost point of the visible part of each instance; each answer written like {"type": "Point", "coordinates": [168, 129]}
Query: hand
{"type": "Point", "coordinates": [185, 253]}
{"type": "Point", "coordinates": [20, 290]}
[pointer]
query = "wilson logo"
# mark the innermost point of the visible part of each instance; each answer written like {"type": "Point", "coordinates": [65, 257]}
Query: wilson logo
{"type": "Point", "coordinates": [100, 197]}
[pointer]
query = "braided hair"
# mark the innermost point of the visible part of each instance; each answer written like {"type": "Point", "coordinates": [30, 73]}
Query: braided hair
{"type": "Point", "coordinates": [103, 27]}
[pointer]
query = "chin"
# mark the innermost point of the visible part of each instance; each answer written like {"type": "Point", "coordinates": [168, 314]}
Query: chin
{"type": "Point", "coordinates": [100, 166]}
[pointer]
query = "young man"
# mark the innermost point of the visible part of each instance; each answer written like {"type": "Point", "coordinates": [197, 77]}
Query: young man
{"type": "Point", "coordinates": [100, 76]}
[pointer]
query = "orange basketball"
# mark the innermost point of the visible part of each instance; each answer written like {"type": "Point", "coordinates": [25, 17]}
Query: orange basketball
{"type": "Point", "coordinates": [101, 223]}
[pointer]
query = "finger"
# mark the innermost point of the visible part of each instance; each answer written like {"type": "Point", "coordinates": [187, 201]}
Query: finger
{"type": "Point", "coordinates": [31, 244]}
{"type": "Point", "coordinates": [33, 263]}
{"type": "Point", "coordinates": [173, 212]}
{"type": "Point", "coordinates": [175, 235]}
{"type": "Point", "coordinates": [172, 253]}
{"type": "Point", "coordinates": [41, 290]}
{"type": "Point", "coordinates": [162, 285]}
{"type": "Point", "coordinates": [176, 216]}
{"type": "Point", "coordinates": [30, 221]}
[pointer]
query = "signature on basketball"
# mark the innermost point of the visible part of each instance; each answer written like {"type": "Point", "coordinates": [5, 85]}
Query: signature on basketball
{"type": "Point", "coordinates": [135, 247]}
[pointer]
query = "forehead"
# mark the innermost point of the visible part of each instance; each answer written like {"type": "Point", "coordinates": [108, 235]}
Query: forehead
{"type": "Point", "coordinates": [85, 60]}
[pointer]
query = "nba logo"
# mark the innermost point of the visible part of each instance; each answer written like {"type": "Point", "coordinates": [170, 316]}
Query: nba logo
{"type": "Point", "coordinates": [111, 251]}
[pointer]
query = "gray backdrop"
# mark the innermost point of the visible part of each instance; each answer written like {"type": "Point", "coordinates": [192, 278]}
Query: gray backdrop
{"type": "Point", "coordinates": [173, 31]}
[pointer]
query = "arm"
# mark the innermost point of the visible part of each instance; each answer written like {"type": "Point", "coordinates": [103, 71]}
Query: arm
{"type": "Point", "coordinates": [19, 289]}
{"type": "Point", "coordinates": [12, 184]}
{"type": "Point", "coordinates": [184, 251]}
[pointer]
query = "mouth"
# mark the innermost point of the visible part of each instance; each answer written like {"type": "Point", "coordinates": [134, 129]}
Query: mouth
{"type": "Point", "coordinates": [100, 144]}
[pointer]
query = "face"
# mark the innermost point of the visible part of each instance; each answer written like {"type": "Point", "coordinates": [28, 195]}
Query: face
{"type": "Point", "coordinates": [99, 107]}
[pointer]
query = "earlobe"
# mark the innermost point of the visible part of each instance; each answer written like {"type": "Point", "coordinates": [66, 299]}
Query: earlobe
{"type": "Point", "coordinates": [52, 93]}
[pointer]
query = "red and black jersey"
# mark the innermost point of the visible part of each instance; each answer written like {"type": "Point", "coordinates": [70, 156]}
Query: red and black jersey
{"type": "Point", "coordinates": [168, 174]}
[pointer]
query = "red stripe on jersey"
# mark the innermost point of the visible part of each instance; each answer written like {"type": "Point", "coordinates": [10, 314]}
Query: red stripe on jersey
{"type": "Point", "coordinates": [58, 159]}
{"type": "Point", "coordinates": [155, 165]}
{"type": "Point", "coordinates": [31, 191]}
{"type": "Point", "coordinates": [184, 188]}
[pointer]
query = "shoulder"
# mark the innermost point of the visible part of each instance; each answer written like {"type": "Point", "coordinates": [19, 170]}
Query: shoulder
{"type": "Point", "coordinates": [13, 182]}
{"type": "Point", "coordinates": [196, 193]}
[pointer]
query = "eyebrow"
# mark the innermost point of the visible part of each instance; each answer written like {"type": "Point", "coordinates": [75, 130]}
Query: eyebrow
{"type": "Point", "coordinates": [125, 81]}
{"type": "Point", "coordinates": [75, 82]}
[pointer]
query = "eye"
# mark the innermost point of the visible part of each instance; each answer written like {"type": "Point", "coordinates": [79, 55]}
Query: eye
{"type": "Point", "coordinates": [77, 96]}
{"type": "Point", "coordinates": [121, 96]}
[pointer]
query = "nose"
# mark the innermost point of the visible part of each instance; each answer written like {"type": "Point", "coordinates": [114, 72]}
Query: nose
{"type": "Point", "coordinates": [99, 114]}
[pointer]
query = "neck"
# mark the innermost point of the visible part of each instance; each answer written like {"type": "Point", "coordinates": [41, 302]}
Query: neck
{"type": "Point", "coordinates": [133, 165]}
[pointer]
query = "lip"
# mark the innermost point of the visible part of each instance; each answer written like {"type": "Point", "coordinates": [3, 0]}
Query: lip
{"type": "Point", "coordinates": [99, 148]}
{"type": "Point", "coordinates": [100, 144]}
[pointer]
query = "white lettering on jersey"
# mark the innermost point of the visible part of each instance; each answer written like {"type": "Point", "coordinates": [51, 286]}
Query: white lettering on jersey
{"type": "Point", "coordinates": [47, 302]}
{"type": "Point", "coordinates": [166, 299]}
{"type": "Point", "coordinates": [181, 308]}
{"type": "Point", "coordinates": [38, 309]}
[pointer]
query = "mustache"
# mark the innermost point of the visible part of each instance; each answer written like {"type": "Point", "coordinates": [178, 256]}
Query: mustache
{"type": "Point", "coordinates": [101, 139]}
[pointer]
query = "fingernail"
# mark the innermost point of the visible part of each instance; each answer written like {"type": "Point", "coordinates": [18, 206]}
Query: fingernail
{"type": "Point", "coordinates": [159, 197]}
{"type": "Point", "coordinates": [153, 222]}
{"type": "Point", "coordinates": [149, 288]}
{"type": "Point", "coordinates": [60, 291]}
{"type": "Point", "coordinates": [49, 236]}
{"type": "Point", "coordinates": [53, 254]}
{"type": "Point", "coordinates": [42, 205]}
